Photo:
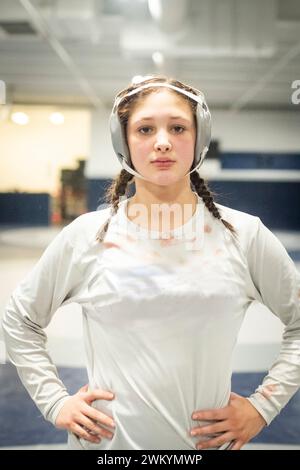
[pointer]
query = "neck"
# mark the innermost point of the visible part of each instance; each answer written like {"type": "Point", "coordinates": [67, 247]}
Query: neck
{"type": "Point", "coordinates": [161, 208]}
{"type": "Point", "coordinates": [148, 193]}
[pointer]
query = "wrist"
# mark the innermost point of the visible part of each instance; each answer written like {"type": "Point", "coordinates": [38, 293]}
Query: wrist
{"type": "Point", "coordinates": [257, 416]}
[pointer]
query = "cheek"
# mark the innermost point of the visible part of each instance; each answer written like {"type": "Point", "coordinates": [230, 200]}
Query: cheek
{"type": "Point", "coordinates": [138, 151]}
{"type": "Point", "coordinates": [186, 151]}
{"type": "Point", "coordinates": [139, 145]}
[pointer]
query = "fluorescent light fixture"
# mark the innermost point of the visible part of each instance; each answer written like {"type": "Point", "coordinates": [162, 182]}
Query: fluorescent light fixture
{"type": "Point", "coordinates": [155, 9]}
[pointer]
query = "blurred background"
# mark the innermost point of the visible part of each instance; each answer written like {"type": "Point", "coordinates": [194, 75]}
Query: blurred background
{"type": "Point", "coordinates": [61, 64]}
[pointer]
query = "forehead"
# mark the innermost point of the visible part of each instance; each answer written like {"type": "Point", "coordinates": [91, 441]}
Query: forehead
{"type": "Point", "coordinates": [161, 102]}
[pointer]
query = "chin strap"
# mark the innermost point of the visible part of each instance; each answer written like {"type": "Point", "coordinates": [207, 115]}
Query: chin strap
{"type": "Point", "coordinates": [132, 171]}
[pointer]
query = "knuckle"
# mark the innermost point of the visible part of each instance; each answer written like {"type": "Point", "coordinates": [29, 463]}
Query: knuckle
{"type": "Point", "coordinates": [97, 430]}
{"type": "Point", "coordinates": [110, 422]}
{"type": "Point", "coordinates": [217, 440]}
{"type": "Point", "coordinates": [86, 436]}
{"type": "Point", "coordinates": [73, 429]}
{"type": "Point", "coordinates": [105, 433]}
{"type": "Point", "coordinates": [69, 423]}
{"type": "Point", "coordinates": [214, 443]}
{"type": "Point", "coordinates": [74, 417]}
{"type": "Point", "coordinates": [94, 438]}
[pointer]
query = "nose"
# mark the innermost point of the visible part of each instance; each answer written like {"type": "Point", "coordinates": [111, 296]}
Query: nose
{"type": "Point", "coordinates": [162, 143]}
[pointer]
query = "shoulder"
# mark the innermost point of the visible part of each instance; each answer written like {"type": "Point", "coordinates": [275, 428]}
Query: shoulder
{"type": "Point", "coordinates": [246, 224]}
{"type": "Point", "coordinates": [81, 232]}
{"type": "Point", "coordinates": [239, 218]}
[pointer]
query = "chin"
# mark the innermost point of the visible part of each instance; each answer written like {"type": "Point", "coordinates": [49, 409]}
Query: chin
{"type": "Point", "coordinates": [165, 179]}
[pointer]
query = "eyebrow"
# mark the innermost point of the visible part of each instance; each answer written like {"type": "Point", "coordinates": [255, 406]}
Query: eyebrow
{"type": "Point", "coordinates": [146, 118]}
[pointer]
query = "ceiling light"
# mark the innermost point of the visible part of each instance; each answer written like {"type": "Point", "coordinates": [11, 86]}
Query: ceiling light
{"type": "Point", "coordinates": [20, 118]}
{"type": "Point", "coordinates": [155, 8]}
{"type": "Point", "coordinates": [158, 58]}
{"type": "Point", "coordinates": [57, 118]}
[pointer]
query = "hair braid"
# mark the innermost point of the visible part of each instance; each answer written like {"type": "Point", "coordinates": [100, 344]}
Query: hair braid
{"type": "Point", "coordinates": [207, 196]}
{"type": "Point", "coordinates": [118, 188]}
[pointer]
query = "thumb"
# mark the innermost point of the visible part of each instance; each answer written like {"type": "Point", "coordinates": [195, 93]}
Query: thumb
{"type": "Point", "coordinates": [84, 388]}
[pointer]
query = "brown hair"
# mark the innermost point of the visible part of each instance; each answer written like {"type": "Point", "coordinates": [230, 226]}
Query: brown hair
{"type": "Point", "coordinates": [119, 186]}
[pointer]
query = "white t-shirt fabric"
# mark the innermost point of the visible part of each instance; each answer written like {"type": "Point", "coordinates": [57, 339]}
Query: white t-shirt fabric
{"type": "Point", "coordinates": [160, 320]}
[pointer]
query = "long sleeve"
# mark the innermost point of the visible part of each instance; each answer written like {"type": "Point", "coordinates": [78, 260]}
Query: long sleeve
{"type": "Point", "coordinates": [51, 284]}
{"type": "Point", "coordinates": [277, 285]}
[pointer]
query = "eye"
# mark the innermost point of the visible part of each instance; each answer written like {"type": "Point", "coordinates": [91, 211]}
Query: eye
{"type": "Point", "coordinates": [146, 130]}
{"type": "Point", "coordinates": [178, 129]}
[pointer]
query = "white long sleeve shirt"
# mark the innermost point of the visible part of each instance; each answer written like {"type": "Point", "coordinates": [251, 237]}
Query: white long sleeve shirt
{"type": "Point", "coordinates": [161, 319]}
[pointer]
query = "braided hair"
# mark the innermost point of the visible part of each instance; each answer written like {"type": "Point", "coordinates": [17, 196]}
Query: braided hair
{"type": "Point", "coordinates": [206, 195]}
{"type": "Point", "coordinates": [119, 186]}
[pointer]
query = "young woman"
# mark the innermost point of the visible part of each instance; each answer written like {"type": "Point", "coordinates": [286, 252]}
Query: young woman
{"type": "Point", "coordinates": [164, 279]}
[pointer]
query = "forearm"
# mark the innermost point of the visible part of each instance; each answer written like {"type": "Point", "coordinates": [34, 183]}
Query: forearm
{"type": "Point", "coordinates": [26, 349]}
{"type": "Point", "coordinates": [276, 284]}
{"type": "Point", "coordinates": [282, 380]}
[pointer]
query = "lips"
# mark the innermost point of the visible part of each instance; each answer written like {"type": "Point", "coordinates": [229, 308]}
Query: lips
{"type": "Point", "coordinates": [163, 163]}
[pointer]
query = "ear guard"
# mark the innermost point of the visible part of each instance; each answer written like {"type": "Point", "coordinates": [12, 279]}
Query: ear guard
{"type": "Point", "coordinates": [203, 119]}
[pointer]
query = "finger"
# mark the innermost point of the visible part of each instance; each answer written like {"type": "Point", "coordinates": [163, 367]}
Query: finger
{"type": "Point", "coordinates": [80, 432]}
{"type": "Point", "coordinates": [221, 426]}
{"type": "Point", "coordinates": [98, 416]}
{"type": "Point", "coordinates": [98, 394]}
{"type": "Point", "coordinates": [237, 445]}
{"type": "Point", "coordinates": [91, 426]}
{"type": "Point", "coordinates": [219, 414]}
{"type": "Point", "coordinates": [84, 388]}
{"type": "Point", "coordinates": [216, 441]}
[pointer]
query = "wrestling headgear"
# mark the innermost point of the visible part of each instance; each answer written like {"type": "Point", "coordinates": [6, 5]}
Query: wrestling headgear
{"type": "Point", "coordinates": [203, 120]}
